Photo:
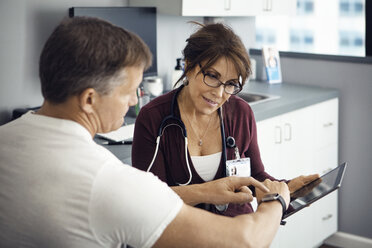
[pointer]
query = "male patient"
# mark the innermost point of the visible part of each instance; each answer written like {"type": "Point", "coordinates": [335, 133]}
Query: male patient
{"type": "Point", "coordinates": [58, 188]}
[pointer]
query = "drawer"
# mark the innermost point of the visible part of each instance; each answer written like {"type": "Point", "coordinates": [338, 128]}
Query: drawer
{"type": "Point", "coordinates": [326, 122]}
{"type": "Point", "coordinates": [326, 217]}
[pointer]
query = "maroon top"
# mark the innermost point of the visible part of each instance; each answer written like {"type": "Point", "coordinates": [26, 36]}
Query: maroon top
{"type": "Point", "coordinates": [170, 164]}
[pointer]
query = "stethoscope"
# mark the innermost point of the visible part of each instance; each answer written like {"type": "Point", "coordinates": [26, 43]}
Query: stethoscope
{"type": "Point", "coordinates": [229, 141]}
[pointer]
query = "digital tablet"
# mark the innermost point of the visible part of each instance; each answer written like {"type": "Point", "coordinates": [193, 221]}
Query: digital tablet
{"type": "Point", "coordinates": [315, 190]}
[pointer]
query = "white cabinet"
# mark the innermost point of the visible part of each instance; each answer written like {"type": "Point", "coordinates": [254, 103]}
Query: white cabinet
{"type": "Point", "coordinates": [303, 142]}
{"type": "Point", "coordinates": [219, 7]}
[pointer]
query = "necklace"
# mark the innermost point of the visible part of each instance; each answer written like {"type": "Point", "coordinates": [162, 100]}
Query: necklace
{"type": "Point", "coordinates": [205, 132]}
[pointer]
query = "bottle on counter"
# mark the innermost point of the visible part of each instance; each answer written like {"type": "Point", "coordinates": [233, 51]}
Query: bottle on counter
{"type": "Point", "coordinates": [177, 73]}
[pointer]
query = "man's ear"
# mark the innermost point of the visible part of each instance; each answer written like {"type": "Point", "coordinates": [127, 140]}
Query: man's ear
{"type": "Point", "coordinates": [87, 100]}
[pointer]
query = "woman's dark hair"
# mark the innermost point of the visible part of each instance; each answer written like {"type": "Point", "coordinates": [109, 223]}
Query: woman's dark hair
{"type": "Point", "coordinates": [212, 42]}
{"type": "Point", "coordinates": [86, 52]}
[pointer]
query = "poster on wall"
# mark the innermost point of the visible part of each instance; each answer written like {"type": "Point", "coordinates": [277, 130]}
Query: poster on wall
{"type": "Point", "coordinates": [271, 62]}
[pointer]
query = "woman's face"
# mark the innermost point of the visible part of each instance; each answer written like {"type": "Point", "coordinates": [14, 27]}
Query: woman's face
{"type": "Point", "coordinates": [204, 98]}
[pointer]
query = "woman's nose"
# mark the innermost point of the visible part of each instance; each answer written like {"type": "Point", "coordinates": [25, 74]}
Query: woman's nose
{"type": "Point", "coordinates": [219, 91]}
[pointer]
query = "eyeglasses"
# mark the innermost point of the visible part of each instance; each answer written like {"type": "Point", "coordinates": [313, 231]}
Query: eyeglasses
{"type": "Point", "coordinates": [232, 87]}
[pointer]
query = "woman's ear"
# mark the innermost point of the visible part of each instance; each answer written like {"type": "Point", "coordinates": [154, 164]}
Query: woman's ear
{"type": "Point", "coordinates": [87, 99]}
{"type": "Point", "coordinates": [185, 65]}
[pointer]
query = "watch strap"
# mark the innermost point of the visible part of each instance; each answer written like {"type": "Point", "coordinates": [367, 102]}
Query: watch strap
{"type": "Point", "coordinates": [284, 205]}
{"type": "Point", "coordinates": [279, 198]}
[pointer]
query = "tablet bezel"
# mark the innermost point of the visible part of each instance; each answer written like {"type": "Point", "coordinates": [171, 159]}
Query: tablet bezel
{"type": "Point", "coordinates": [340, 170]}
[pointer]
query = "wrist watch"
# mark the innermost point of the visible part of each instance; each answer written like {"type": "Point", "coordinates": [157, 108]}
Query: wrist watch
{"type": "Point", "coordinates": [275, 197]}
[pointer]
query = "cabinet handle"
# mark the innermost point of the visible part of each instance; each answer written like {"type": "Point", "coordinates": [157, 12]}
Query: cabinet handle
{"type": "Point", "coordinates": [328, 124]}
{"type": "Point", "coordinates": [267, 5]}
{"type": "Point", "coordinates": [227, 4]}
{"type": "Point", "coordinates": [278, 135]}
{"type": "Point", "coordinates": [327, 217]}
{"type": "Point", "coordinates": [287, 132]}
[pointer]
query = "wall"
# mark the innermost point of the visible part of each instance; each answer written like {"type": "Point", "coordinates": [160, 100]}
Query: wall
{"type": "Point", "coordinates": [354, 82]}
{"type": "Point", "coordinates": [174, 30]}
{"type": "Point", "coordinates": [26, 24]}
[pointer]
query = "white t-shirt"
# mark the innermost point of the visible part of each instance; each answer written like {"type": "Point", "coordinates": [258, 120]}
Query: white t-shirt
{"type": "Point", "coordinates": [58, 188]}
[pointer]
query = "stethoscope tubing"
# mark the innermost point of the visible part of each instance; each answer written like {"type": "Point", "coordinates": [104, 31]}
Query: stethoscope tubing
{"type": "Point", "coordinates": [181, 125]}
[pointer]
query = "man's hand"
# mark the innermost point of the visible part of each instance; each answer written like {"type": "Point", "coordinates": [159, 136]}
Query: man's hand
{"type": "Point", "coordinates": [275, 187]}
{"type": "Point", "coordinates": [299, 182]}
{"type": "Point", "coordinates": [222, 191]}
{"type": "Point", "coordinates": [231, 190]}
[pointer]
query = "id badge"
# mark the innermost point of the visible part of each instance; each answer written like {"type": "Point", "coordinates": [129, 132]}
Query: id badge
{"type": "Point", "coordinates": [238, 167]}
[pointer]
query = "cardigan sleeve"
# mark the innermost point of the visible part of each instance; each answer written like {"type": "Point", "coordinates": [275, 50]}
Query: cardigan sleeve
{"type": "Point", "coordinates": [144, 145]}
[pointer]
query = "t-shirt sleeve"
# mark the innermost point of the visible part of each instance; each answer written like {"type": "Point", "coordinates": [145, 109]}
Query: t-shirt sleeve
{"type": "Point", "coordinates": [131, 206]}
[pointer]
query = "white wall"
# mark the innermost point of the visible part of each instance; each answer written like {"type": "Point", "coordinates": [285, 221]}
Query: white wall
{"type": "Point", "coordinates": [174, 30]}
{"type": "Point", "coordinates": [25, 25]}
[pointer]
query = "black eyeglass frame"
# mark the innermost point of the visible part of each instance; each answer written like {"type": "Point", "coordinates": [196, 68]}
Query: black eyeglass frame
{"type": "Point", "coordinates": [224, 84]}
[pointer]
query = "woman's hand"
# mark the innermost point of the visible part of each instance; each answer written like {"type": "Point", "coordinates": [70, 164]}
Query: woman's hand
{"type": "Point", "coordinates": [299, 182]}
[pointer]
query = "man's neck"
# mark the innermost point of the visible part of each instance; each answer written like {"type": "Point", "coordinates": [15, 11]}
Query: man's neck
{"type": "Point", "coordinates": [68, 110]}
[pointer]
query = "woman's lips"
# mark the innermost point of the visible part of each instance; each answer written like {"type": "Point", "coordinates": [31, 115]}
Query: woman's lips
{"type": "Point", "coordinates": [210, 102]}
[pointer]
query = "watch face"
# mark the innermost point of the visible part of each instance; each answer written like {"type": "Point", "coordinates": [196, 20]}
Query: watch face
{"type": "Point", "coordinates": [270, 197]}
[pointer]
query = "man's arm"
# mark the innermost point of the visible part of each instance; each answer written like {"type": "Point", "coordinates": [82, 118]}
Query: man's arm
{"type": "Point", "coordinates": [193, 227]}
{"type": "Point", "coordinates": [220, 191]}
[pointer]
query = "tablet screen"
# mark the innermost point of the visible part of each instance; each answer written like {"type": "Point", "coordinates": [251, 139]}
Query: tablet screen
{"type": "Point", "coordinates": [316, 190]}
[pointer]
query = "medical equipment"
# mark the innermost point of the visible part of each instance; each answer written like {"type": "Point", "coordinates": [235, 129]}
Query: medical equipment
{"type": "Point", "coordinates": [172, 117]}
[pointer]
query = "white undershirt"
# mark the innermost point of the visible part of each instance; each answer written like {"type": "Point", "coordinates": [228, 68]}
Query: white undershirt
{"type": "Point", "coordinates": [207, 166]}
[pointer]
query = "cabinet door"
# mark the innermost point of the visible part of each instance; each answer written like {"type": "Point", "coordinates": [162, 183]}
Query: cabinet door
{"type": "Point", "coordinates": [205, 7]}
{"type": "Point", "coordinates": [326, 122]}
{"type": "Point", "coordinates": [277, 7]}
{"type": "Point", "coordinates": [238, 7]}
{"type": "Point", "coordinates": [218, 7]}
{"type": "Point", "coordinates": [270, 136]}
{"type": "Point", "coordinates": [325, 219]}
{"type": "Point", "coordinates": [298, 140]}
{"type": "Point", "coordinates": [298, 231]}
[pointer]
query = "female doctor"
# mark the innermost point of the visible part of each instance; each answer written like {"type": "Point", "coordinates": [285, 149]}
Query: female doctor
{"type": "Point", "coordinates": [192, 134]}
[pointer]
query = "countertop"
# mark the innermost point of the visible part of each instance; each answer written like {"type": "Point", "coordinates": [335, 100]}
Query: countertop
{"type": "Point", "coordinates": [292, 97]}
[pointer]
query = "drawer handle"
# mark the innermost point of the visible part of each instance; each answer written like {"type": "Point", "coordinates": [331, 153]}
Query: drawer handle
{"type": "Point", "coordinates": [227, 4]}
{"type": "Point", "coordinates": [288, 132]}
{"type": "Point", "coordinates": [328, 124]}
{"type": "Point", "coordinates": [327, 217]}
{"type": "Point", "coordinates": [267, 5]}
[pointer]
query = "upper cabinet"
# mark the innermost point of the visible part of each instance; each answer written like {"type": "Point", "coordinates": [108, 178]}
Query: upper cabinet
{"type": "Point", "coordinates": [219, 7]}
